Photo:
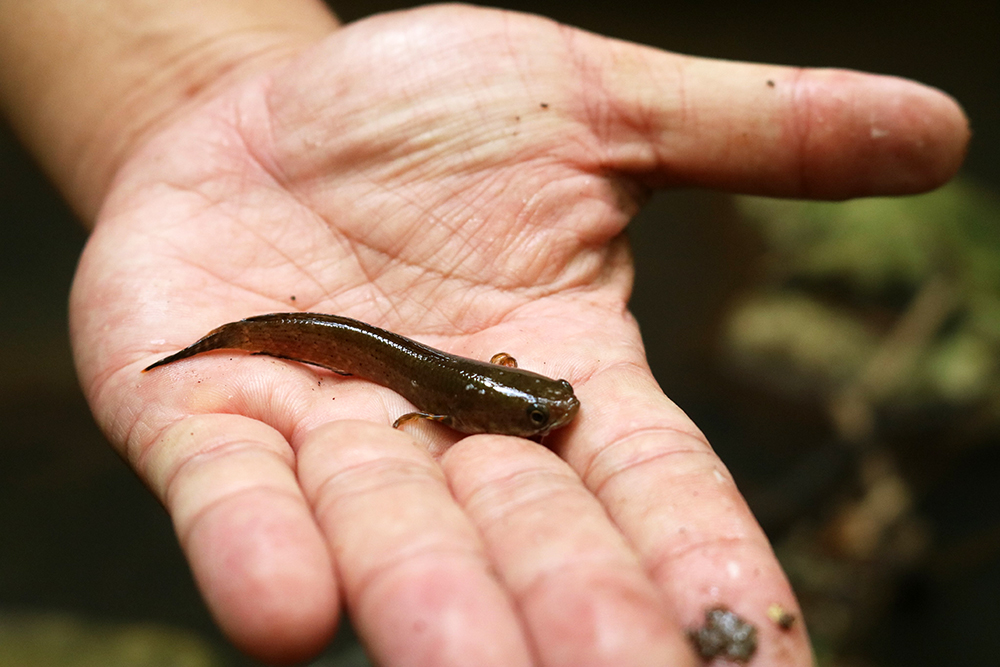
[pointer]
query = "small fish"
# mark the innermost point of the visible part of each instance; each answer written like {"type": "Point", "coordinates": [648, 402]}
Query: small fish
{"type": "Point", "coordinates": [468, 395]}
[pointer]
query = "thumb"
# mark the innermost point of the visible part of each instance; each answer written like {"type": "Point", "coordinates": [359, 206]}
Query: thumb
{"type": "Point", "coordinates": [771, 130]}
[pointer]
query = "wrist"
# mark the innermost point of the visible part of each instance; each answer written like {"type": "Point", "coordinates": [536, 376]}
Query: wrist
{"type": "Point", "coordinates": [84, 82]}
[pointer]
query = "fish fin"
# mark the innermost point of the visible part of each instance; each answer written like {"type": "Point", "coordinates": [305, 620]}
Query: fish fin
{"type": "Point", "coordinates": [503, 359]}
{"type": "Point", "coordinates": [301, 361]}
{"type": "Point", "coordinates": [410, 416]}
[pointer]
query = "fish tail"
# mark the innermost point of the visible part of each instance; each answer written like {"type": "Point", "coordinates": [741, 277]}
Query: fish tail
{"type": "Point", "coordinates": [230, 336]}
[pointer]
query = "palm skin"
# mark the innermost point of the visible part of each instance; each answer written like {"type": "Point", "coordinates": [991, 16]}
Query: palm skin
{"type": "Point", "coordinates": [462, 177]}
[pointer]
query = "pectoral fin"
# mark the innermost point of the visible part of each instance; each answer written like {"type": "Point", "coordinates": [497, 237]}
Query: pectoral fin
{"type": "Point", "coordinates": [410, 416]}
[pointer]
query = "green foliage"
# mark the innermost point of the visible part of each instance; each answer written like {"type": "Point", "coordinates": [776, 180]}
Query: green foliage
{"type": "Point", "coordinates": [843, 278]}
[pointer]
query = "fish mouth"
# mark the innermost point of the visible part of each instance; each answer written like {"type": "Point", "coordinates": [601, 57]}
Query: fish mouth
{"type": "Point", "coordinates": [570, 408]}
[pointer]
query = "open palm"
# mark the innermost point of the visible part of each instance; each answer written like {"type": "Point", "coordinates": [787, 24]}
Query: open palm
{"type": "Point", "coordinates": [460, 176]}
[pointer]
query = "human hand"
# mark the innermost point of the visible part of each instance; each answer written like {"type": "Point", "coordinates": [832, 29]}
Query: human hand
{"type": "Point", "coordinates": [461, 176]}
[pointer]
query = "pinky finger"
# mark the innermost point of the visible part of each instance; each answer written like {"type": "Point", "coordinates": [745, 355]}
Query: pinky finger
{"type": "Point", "coordinates": [248, 533]}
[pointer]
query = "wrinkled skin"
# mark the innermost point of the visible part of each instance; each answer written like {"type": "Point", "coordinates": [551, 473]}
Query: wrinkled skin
{"type": "Point", "coordinates": [463, 177]}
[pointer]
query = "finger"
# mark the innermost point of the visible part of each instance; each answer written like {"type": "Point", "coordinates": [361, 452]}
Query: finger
{"type": "Point", "coordinates": [254, 548]}
{"type": "Point", "coordinates": [766, 129]}
{"type": "Point", "coordinates": [677, 504]}
{"type": "Point", "coordinates": [418, 585]}
{"type": "Point", "coordinates": [584, 596]}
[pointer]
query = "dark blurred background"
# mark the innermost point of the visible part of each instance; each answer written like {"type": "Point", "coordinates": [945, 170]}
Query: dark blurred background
{"type": "Point", "coordinates": [88, 558]}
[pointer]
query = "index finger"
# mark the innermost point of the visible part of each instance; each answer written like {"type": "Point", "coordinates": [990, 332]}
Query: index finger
{"type": "Point", "coordinates": [679, 507]}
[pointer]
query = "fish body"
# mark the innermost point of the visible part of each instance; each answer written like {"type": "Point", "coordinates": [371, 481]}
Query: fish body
{"type": "Point", "coordinates": [468, 395]}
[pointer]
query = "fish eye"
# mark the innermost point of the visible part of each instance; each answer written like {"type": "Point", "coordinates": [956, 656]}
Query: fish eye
{"type": "Point", "coordinates": [538, 415]}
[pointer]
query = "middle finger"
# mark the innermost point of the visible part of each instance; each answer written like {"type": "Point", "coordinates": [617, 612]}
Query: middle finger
{"type": "Point", "coordinates": [582, 592]}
